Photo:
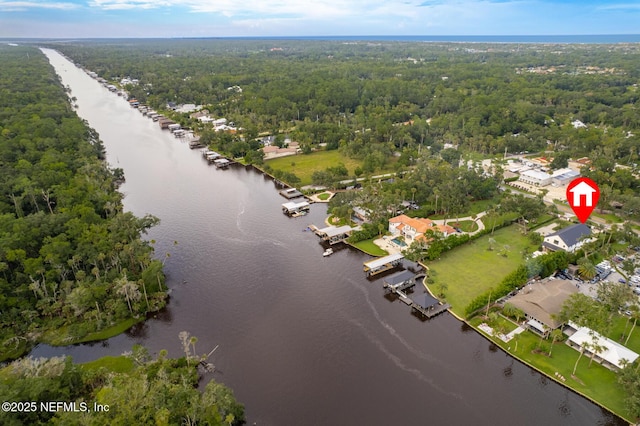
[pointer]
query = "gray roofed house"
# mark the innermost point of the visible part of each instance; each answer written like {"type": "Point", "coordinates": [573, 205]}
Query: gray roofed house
{"type": "Point", "coordinates": [568, 239]}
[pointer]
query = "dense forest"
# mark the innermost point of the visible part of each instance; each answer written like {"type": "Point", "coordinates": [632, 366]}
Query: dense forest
{"type": "Point", "coordinates": [72, 261]}
{"type": "Point", "coordinates": [126, 390]}
{"type": "Point", "coordinates": [388, 104]}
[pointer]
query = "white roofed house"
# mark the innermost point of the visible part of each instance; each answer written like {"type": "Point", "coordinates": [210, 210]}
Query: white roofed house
{"type": "Point", "coordinates": [610, 354]}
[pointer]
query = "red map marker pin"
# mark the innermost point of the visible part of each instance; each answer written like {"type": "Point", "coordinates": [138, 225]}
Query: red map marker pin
{"type": "Point", "coordinates": [583, 195]}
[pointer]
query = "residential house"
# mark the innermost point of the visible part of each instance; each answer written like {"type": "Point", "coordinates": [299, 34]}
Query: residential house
{"type": "Point", "coordinates": [568, 239]}
{"type": "Point", "coordinates": [612, 354]}
{"type": "Point", "coordinates": [542, 301]}
{"type": "Point", "coordinates": [413, 229]}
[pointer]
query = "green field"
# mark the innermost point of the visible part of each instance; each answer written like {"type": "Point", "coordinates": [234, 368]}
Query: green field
{"type": "Point", "coordinates": [472, 269]}
{"type": "Point", "coordinates": [303, 165]}
{"type": "Point", "coordinates": [61, 336]}
{"type": "Point", "coordinates": [368, 247]}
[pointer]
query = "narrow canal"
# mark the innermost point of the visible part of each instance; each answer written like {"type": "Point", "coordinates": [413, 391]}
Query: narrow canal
{"type": "Point", "coordinates": [302, 339]}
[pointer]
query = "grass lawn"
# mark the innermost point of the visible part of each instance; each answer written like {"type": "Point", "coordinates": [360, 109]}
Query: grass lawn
{"type": "Point", "coordinates": [117, 364]}
{"type": "Point", "coordinates": [611, 218]}
{"type": "Point", "coordinates": [303, 165]}
{"type": "Point", "coordinates": [465, 225]}
{"type": "Point", "coordinates": [619, 323]}
{"type": "Point", "coordinates": [596, 381]}
{"type": "Point", "coordinates": [324, 196]}
{"type": "Point", "coordinates": [368, 247]}
{"type": "Point", "coordinates": [61, 337]}
{"type": "Point", "coordinates": [472, 269]}
{"type": "Point", "coordinates": [337, 221]}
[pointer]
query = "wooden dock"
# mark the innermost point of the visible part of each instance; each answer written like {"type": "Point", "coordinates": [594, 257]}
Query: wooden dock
{"type": "Point", "coordinates": [381, 264]}
{"type": "Point", "coordinates": [423, 303]}
{"type": "Point", "coordinates": [431, 312]}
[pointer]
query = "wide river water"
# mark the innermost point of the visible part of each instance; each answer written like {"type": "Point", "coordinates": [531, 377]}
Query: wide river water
{"type": "Point", "coordinates": [302, 339]}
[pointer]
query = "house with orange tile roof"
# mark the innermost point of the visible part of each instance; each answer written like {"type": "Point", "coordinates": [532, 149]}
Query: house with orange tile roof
{"type": "Point", "coordinates": [413, 229]}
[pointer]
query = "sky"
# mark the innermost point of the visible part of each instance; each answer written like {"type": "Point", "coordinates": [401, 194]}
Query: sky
{"type": "Point", "coordinates": [263, 18]}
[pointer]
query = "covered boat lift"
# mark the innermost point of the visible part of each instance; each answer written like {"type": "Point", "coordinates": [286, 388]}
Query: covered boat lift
{"type": "Point", "coordinates": [295, 209]}
{"type": "Point", "coordinates": [334, 235]}
{"type": "Point", "coordinates": [399, 281]}
{"type": "Point", "coordinates": [382, 264]}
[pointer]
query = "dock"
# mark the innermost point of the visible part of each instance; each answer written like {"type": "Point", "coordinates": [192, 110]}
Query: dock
{"type": "Point", "coordinates": [427, 305]}
{"type": "Point", "coordinates": [423, 303]}
{"type": "Point", "coordinates": [382, 264]}
{"type": "Point", "coordinates": [399, 281]}
{"type": "Point", "coordinates": [290, 193]}
{"type": "Point", "coordinates": [221, 163]}
{"type": "Point", "coordinates": [194, 142]}
{"type": "Point", "coordinates": [295, 209]}
{"type": "Point", "coordinates": [334, 234]}
{"type": "Point", "coordinates": [210, 156]}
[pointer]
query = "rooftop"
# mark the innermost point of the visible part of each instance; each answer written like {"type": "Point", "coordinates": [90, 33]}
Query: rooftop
{"type": "Point", "coordinates": [543, 300]}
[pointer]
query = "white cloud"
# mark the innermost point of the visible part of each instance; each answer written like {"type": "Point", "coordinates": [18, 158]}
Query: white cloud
{"type": "Point", "coordinates": [620, 6]}
{"type": "Point", "coordinates": [21, 6]}
{"type": "Point", "coordinates": [129, 4]}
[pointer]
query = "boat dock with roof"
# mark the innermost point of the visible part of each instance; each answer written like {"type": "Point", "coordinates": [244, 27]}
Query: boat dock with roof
{"type": "Point", "coordinates": [295, 209]}
{"type": "Point", "coordinates": [334, 234]}
{"type": "Point", "coordinates": [290, 193]}
{"type": "Point", "coordinates": [382, 264]}
{"type": "Point", "coordinates": [423, 303]}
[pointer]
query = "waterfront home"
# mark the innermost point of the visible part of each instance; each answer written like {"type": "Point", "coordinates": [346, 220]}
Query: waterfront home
{"type": "Point", "coordinates": [568, 239]}
{"type": "Point", "coordinates": [413, 229]}
{"type": "Point", "coordinates": [541, 302]}
{"type": "Point", "coordinates": [612, 354]}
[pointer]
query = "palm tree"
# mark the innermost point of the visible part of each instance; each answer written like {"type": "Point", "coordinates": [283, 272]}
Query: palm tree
{"type": "Point", "coordinates": [555, 336]}
{"type": "Point", "coordinates": [635, 313]}
{"type": "Point", "coordinates": [586, 269]}
{"type": "Point", "coordinates": [582, 349]}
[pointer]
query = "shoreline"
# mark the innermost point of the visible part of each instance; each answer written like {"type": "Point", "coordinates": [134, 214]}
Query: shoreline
{"type": "Point", "coordinates": [528, 364]}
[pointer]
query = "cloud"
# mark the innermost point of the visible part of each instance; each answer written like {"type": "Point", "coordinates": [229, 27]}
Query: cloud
{"type": "Point", "coordinates": [130, 4]}
{"type": "Point", "coordinates": [21, 6]}
{"type": "Point", "coordinates": [620, 6]}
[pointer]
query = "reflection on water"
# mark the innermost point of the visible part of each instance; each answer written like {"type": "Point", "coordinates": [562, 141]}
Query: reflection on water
{"type": "Point", "coordinates": [301, 338]}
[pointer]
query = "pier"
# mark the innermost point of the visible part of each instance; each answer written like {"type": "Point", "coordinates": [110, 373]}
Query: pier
{"type": "Point", "coordinates": [221, 163]}
{"type": "Point", "coordinates": [333, 234]}
{"type": "Point", "coordinates": [427, 305]}
{"type": "Point", "coordinates": [423, 303]}
{"type": "Point", "coordinates": [399, 281]}
{"type": "Point", "coordinates": [290, 193]}
{"type": "Point", "coordinates": [295, 209]}
{"type": "Point", "coordinates": [381, 264]}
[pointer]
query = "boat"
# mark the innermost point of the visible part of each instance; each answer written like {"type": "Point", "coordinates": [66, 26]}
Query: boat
{"type": "Point", "coordinates": [328, 252]}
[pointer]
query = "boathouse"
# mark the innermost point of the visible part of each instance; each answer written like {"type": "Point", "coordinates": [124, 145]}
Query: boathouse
{"type": "Point", "coordinates": [334, 235]}
{"type": "Point", "coordinates": [399, 281]}
{"type": "Point", "coordinates": [382, 264]}
{"type": "Point", "coordinates": [291, 193]}
{"type": "Point", "coordinates": [295, 209]}
{"type": "Point", "coordinates": [210, 156]}
{"type": "Point", "coordinates": [221, 163]}
{"type": "Point", "coordinates": [427, 305]}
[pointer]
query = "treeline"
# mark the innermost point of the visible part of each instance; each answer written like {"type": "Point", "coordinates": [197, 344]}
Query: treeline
{"type": "Point", "coordinates": [135, 389]}
{"type": "Point", "coordinates": [71, 261]}
{"type": "Point", "coordinates": [378, 101]}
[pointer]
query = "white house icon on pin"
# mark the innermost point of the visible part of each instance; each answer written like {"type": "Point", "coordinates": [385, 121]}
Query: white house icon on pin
{"type": "Point", "coordinates": [581, 189]}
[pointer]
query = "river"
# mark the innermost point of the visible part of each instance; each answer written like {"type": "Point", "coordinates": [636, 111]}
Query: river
{"type": "Point", "coordinates": [302, 339]}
